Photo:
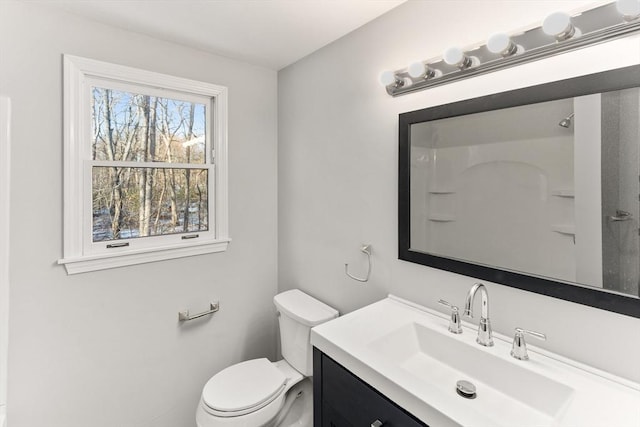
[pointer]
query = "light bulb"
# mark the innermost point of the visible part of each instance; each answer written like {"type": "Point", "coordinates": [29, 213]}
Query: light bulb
{"type": "Point", "coordinates": [455, 56]}
{"type": "Point", "coordinates": [502, 44]}
{"type": "Point", "coordinates": [387, 78]}
{"type": "Point", "coordinates": [559, 25]}
{"type": "Point", "coordinates": [417, 69]}
{"type": "Point", "coordinates": [420, 70]}
{"type": "Point", "coordinates": [629, 9]}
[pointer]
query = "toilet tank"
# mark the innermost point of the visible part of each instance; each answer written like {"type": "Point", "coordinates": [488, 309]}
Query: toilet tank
{"type": "Point", "coordinates": [298, 313]}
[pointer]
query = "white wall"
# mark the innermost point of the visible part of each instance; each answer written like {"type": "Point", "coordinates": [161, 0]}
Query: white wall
{"type": "Point", "coordinates": [588, 189]}
{"type": "Point", "coordinates": [337, 153]}
{"type": "Point", "coordinates": [105, 349]}
{"type": "Point", "coordinates": [5, 168]}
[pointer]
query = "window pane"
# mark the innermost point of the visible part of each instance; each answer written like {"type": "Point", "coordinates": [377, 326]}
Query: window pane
{"type": "Point", "coordinates": [141, 128]}
{"type": "Point", "coordinates": [140, 202]}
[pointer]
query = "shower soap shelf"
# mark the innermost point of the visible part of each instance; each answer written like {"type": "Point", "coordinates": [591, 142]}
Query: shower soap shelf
{"type": "Point", "coordinates": [569, 229]}
{"type": "Point", "coordinates": [441, 218]}
{"type": "Point", "coordinates": [564, 192]}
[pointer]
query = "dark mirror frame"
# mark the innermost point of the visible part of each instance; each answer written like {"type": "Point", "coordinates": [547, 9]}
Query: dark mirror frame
{"type": "Point", "coordinates": [618, 79]}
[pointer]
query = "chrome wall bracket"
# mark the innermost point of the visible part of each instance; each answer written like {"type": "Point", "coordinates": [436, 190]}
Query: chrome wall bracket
{"type": "Point", "coordinates": [600, 24]}
{"type": "Point", "coordinates": [183, 316]}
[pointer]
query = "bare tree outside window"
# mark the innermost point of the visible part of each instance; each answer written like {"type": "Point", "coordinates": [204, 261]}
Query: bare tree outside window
{"type": "Point", "coordinates": [154, 186]}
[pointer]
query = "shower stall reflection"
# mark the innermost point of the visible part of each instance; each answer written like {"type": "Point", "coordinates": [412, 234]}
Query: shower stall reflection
{"type": "Point", "coordinates": [533, 189]}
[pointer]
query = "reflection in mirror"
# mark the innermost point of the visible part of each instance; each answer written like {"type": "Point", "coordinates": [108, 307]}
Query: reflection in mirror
{"type": "Point", "coordinates": [518, 186]}
{"type": "Point", "coordinates": [544, 190]}
{"type": "Point", "coordinates": [620, 192]}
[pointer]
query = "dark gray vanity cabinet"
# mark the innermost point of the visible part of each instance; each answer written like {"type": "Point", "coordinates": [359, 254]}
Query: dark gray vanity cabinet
{"type": "Point", "coordinates": [340, 399]}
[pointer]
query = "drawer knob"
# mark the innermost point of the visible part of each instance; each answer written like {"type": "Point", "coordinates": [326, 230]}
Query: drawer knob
{"type": "Point", "coordinates": [376, 423]}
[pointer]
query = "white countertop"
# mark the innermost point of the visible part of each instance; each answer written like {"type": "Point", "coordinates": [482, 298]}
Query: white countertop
{"type": "Point", "coordinates": [358, 340]}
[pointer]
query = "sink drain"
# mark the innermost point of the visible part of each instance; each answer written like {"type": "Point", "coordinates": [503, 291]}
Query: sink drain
{"type": "Point", "coordinates": [466, 389]}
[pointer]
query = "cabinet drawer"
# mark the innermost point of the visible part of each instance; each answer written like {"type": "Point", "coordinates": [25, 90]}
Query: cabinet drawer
{"type": "Point", "coordinates": [357, 403]}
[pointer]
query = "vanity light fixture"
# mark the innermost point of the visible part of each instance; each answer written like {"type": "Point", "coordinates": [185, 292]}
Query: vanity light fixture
{"type": "Point", "coordinates": [559, 32]}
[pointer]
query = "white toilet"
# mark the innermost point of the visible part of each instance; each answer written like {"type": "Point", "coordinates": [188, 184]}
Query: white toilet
{"type": "Point", "coordinates": [259, 393]}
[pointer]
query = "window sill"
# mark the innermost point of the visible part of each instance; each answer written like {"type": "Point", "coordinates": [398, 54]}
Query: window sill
{"type": "Point", "coordinates": [84, 264]}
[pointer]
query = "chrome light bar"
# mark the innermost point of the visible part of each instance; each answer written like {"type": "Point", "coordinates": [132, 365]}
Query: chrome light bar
{"type": "Point", "coordinates": [559, 33]}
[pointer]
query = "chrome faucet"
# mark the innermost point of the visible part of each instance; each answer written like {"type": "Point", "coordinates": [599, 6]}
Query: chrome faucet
{"type": "Point", "coordinates": [519, 348]}
{"type": "Point", "coordinates": [484, 327]}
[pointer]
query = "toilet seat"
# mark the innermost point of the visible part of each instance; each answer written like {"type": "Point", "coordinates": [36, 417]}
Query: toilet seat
{"type": "Point", "coordinates": [243, 388]}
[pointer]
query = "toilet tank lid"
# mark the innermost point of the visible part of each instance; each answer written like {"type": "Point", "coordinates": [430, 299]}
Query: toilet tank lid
{"type": "Point", "coordinates": [304, 308]}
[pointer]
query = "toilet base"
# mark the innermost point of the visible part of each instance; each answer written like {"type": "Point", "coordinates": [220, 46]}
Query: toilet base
{"type": "Point", "coordinates": [300, 410]}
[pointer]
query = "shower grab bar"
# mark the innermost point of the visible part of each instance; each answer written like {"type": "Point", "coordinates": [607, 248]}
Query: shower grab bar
{"type": "Point", "coordinates": [183, 316]}
{"type": "Point", "coordinates": [621, 216]}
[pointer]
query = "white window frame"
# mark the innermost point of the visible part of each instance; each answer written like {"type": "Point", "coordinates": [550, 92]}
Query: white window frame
{"type": "Point", "coordinates": [81, 254]}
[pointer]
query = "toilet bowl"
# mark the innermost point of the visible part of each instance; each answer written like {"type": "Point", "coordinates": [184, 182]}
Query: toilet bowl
{"type": "Point", "coordinates": [250, 393]}
{"type": "Point", "coordinates": [260, 393]}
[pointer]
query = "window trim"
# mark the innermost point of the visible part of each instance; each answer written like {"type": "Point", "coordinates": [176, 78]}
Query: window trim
{"type": "Point", "coordinates": [78, 75]}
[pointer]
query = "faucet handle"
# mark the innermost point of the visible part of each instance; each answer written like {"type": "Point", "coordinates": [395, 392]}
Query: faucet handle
{"type": "Point", "coordinates": [454, 321]}
{"type": "Point", "coordinates": [519, 348]}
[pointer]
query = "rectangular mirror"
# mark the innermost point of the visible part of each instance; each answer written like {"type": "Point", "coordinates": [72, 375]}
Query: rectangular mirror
{"type": "Point", "coordinates": [537, 188]}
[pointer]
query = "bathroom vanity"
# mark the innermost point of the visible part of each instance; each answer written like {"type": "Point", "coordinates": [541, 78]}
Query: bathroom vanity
{"type": "Point", "coordinates": [342, 399]}
{"type": "Point", "coordinates": [395, 363]}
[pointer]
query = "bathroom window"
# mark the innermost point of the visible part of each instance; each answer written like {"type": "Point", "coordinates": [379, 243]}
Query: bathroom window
{"type": "Point", "coordinates": [145, 166]}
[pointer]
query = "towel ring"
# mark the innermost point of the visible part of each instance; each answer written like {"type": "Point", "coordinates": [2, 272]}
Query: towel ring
{"type": "Point", "coordinates": [367, 250]}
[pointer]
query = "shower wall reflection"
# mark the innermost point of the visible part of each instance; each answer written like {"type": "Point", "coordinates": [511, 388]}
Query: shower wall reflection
{"type": "Point", "coordinates": [521, 189]}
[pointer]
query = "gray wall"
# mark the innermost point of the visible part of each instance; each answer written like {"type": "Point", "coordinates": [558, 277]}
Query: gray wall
{"type": "Point", "coordinates": [105, 349]}
{"type": "Point", "coordinates": [337, 154]}
{"type": "Point", "coordinates": [621, 161]}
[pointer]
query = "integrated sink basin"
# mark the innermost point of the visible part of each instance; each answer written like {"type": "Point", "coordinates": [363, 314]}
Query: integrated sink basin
{"type": "Point", "coordinates": [507, 390]}
{"type": "Point", "coordinates": [406, 352]}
